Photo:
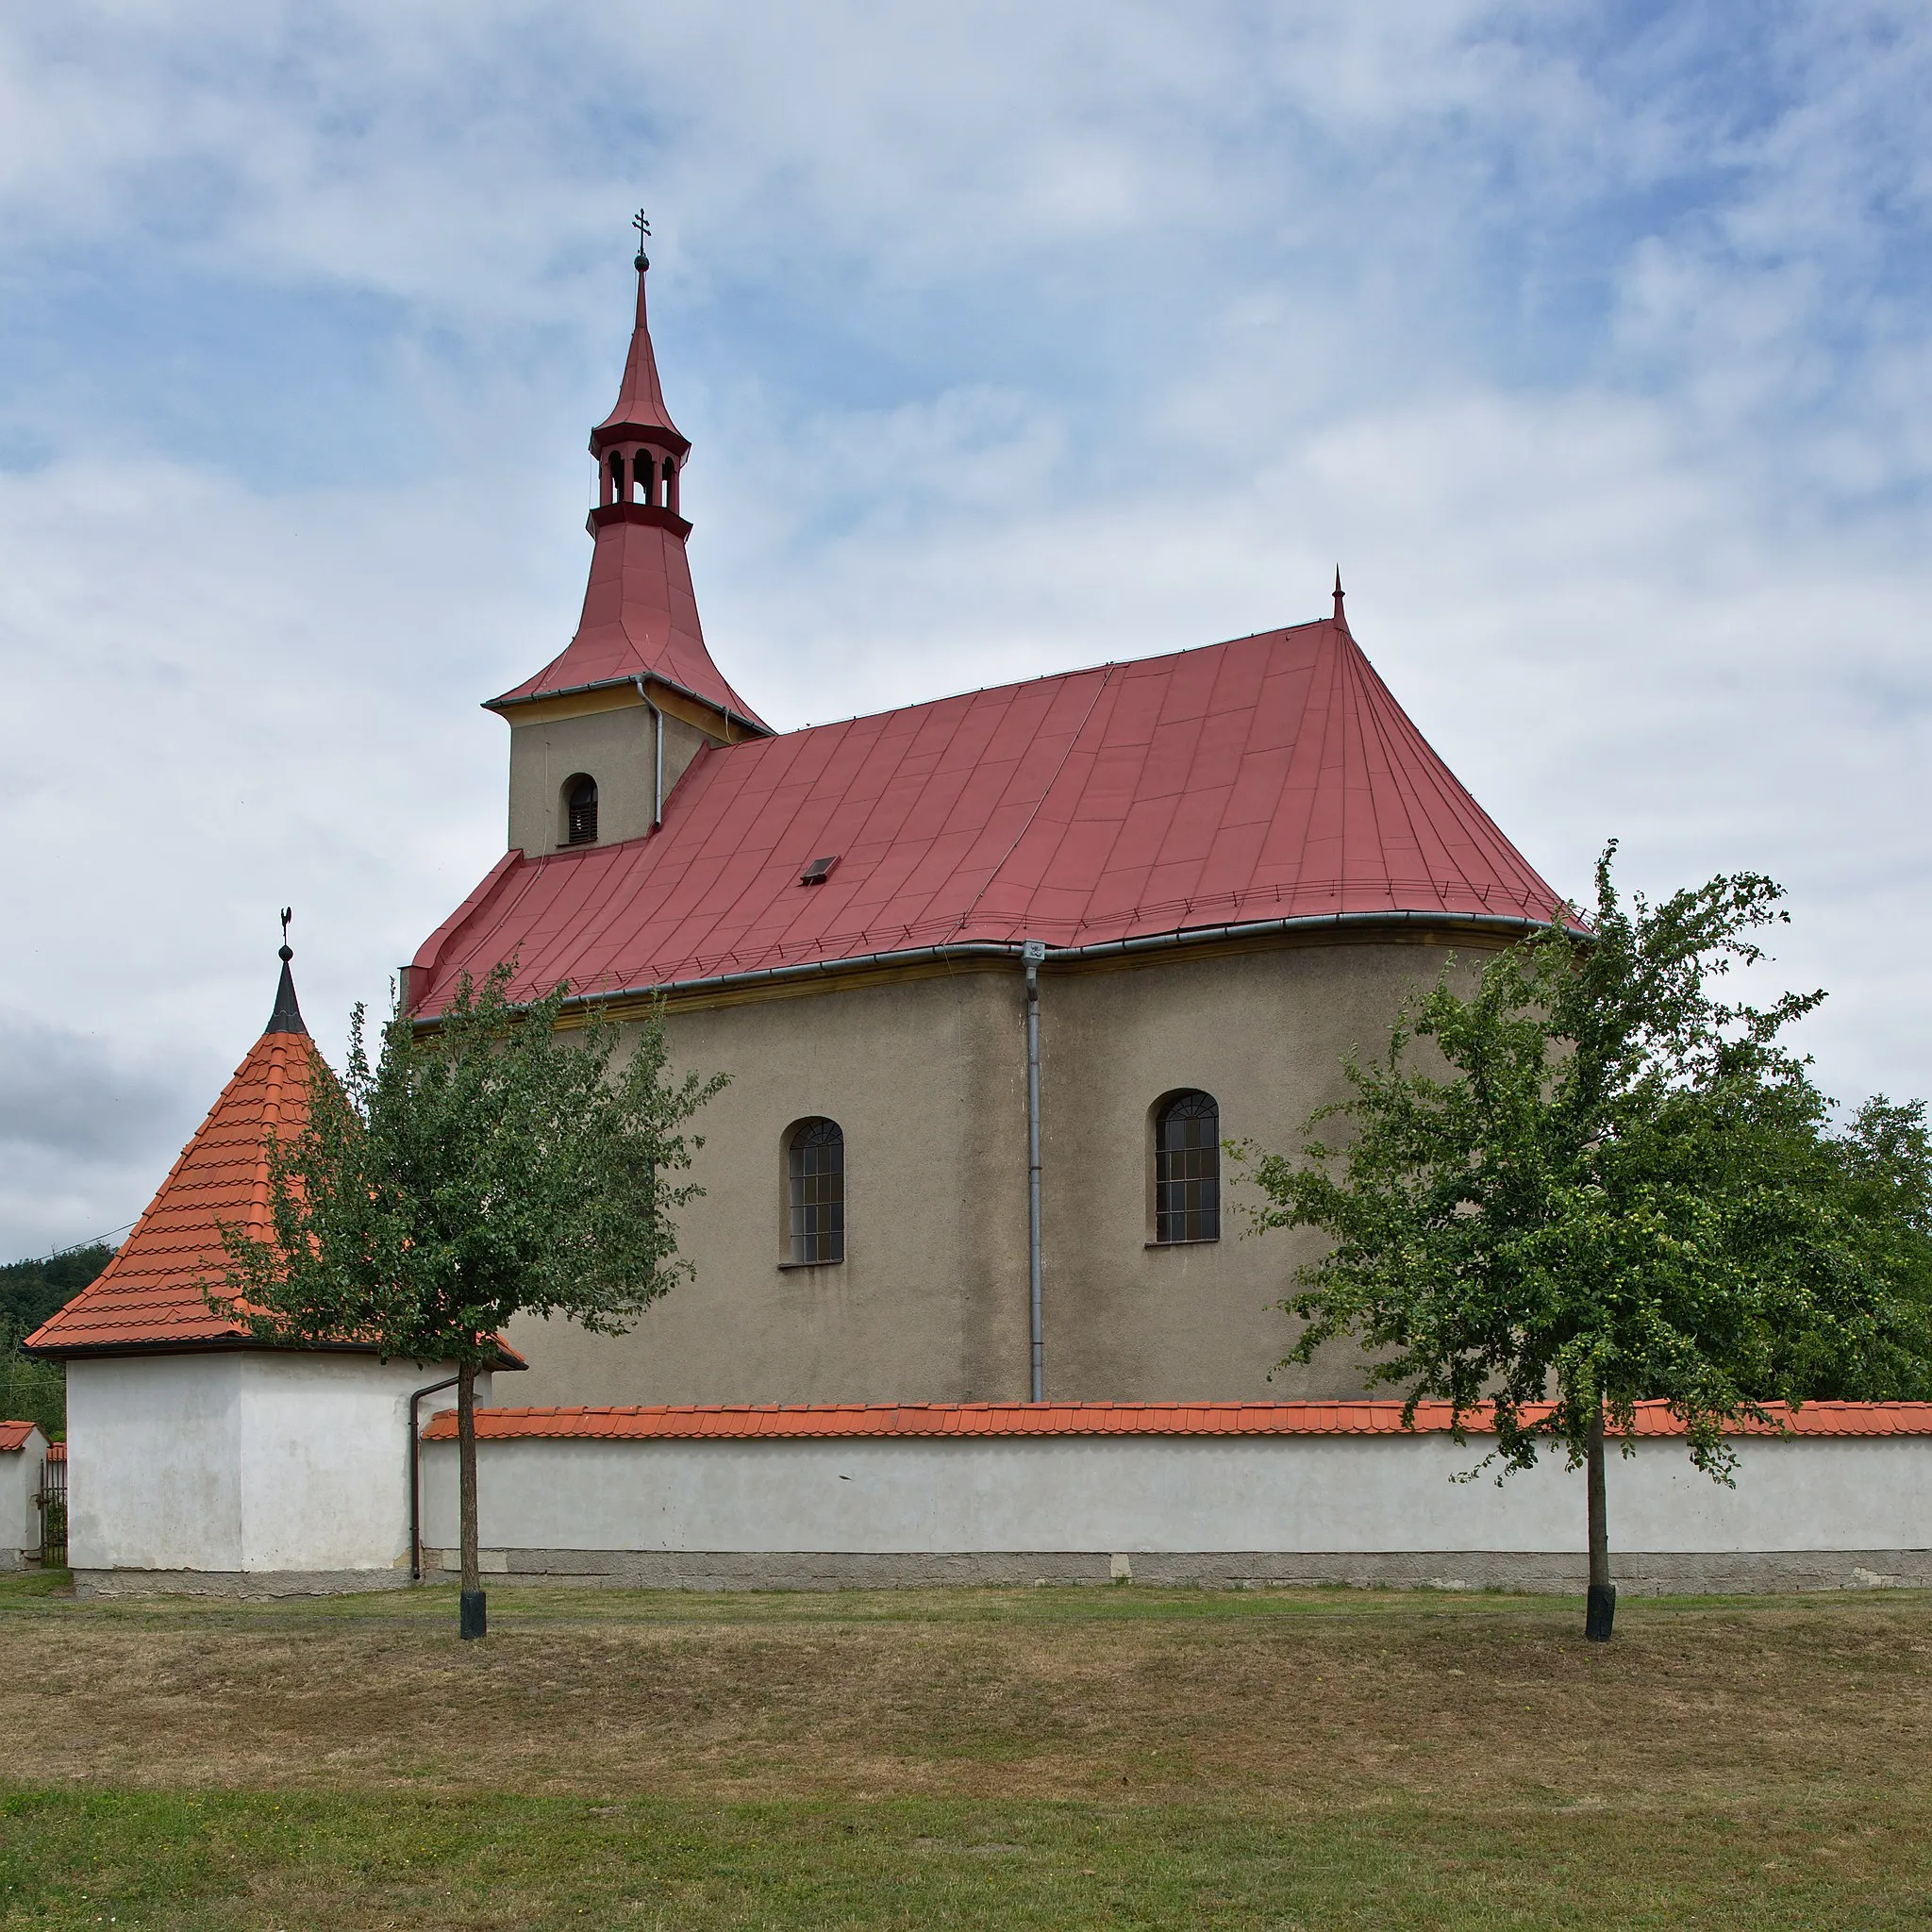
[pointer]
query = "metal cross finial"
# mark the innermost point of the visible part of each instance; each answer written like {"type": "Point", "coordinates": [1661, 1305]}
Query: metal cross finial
{"type": "Point", "coordinates": [643, 228]}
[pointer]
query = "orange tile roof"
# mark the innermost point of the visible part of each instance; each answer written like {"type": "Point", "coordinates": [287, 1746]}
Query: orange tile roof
{"type": "Point", "coordinates": [56, 1452]}
{"type": "Point", "coordinates": [1099, 1418]}
{"type": "Point", "coordinates": [13, 1435]}
{"type": "Point", "coordinates": [149, 1295]}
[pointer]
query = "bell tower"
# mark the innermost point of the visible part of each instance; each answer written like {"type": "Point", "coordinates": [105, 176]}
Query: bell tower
{"type": "Point", "coordinates": [601, 735]}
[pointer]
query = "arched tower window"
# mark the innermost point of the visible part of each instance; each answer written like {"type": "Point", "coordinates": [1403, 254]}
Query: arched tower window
{"type": "Point", "coordinates": [671, 486]}
{"type": "Point", "coordinates": [1187, 1169]}
{"type": "Point", "coordinates": [645, 470]}
{"type": "Point", "coordinates": [580, 812]}
{"type": "Point", "coordinates": [815, 1192]}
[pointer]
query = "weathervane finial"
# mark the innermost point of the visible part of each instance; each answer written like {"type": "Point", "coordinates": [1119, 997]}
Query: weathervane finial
{"type": "Point", "coordinates": [643, 228]}
{"type": "Point", "coordinates": [287, 952]}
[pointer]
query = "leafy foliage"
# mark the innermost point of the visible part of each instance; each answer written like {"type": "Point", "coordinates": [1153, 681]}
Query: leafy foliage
{"type": "Point", "coordinates": [30, 1291]}
{"type": "Point", "coordinates": [490, 1168]}
{"type": "Point", "coordinates": [31, 1390]}
{"type": "Point", "coordinates": [33, 1289]}
{"type": "Point", "coordinates": [1625, 1189]}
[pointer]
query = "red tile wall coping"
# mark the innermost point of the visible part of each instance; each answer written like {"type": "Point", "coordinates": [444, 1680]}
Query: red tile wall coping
{"type": "Point", "coordinates": [13, 1435]}
{"type": "Point", "coordinates": [1101, 1418]}
{"type": "Point", "coordinates": [56, 1452]}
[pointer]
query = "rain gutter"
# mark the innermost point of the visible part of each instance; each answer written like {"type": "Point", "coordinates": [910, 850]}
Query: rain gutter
{"type": "Point", "coordinates": [1033, 952]}
{"type": "Point", "coordinates": [416, 1477]}
{"type": "Point", "coordinates": [657, 753]}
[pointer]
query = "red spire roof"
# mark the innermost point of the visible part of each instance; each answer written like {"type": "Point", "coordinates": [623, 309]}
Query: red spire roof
{"type": "Point", "coordinates": [641, 614]}
{"type": "Point", "coordinates": [149, 1295]}
{"type": "Point", "coordinates": [639, 409]}
{"type": "Point", "coordinates": [1270, 779]}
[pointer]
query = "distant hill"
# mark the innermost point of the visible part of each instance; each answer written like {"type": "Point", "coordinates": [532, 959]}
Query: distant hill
{"type": "Point", "coordinates": [31, 1291]}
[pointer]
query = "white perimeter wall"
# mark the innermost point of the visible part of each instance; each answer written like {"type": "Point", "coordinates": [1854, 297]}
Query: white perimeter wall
{"type": "Point", "coordinates": [1193, 1494]}
{"type": "Point", "coordinates": [19, 1518]}
{"type": "Point", "coordinates": [249, 1460]}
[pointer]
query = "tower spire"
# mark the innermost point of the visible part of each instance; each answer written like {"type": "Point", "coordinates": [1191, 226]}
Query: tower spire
{"type": "Point", "coordinates": [641, 614]}
{"type": "Point", "coordinates": [639, 412]}
{"type": "Point", "coordinates": [1340, 616]}
{"type": "Point", "coordinates": [287, 1017]}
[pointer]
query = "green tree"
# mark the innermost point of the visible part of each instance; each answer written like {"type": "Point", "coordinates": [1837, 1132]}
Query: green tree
{"type": "Point", "coordinates": [486, 1168]}
{"type": "Point", "coordinates": [31, 1291]}
{"type": "Point", "coordinates": [31, 1390]}
{"type": "Point", "coordinates": [1607, 1185]}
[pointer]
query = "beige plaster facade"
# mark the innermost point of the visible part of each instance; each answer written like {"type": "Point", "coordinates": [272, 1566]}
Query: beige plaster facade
{"type": "Point", "coordinates": [609, 734]}
{"type": "Point", "coordinates": [925, 1069]}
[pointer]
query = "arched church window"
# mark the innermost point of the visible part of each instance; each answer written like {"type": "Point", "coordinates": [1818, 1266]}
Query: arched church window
{"type": "Point", "coordinates": [1187, 1169]}
{"type": "Point", "coordinates": [580, 812]}
{"type": "Point", "coordinates": [670, 485]}
{"type": "Point", "coordinates": [617, 479]}
{"type": "Point", "coordinates": [645, 470]}
{"type": "Point", "coordinates": [815, 1193]}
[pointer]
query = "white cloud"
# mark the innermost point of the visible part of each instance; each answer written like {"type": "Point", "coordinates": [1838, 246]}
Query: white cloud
{"type": "Point", "coordinates": [1012, 338]}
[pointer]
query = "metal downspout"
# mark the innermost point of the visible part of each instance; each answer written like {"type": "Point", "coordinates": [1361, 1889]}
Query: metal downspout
{"type": "Point", "coordinates": [658, 754]}
{"type": "Point", "coordinates": [416, 1477]}
{"type": "Point", "coordinates": [1033, 953]}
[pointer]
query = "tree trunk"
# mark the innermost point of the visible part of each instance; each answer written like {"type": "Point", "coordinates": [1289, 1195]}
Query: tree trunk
{"type": "Point", "coordinates": [474, 1616]}
{"type": "Point", "coordinates": [1601, 1604]}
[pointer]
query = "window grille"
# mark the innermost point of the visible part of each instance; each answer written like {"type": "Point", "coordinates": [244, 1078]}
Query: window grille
{"type": "Point", "coordinates": [581, 828]}
{"type": "Point", "coordinates": [1187, 1170]}
{"type": "Point", "coordinates": [817, 1193]}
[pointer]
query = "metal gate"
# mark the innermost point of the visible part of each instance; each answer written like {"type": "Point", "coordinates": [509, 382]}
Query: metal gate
{"type": "Point", "coordinates": [53, 1502]}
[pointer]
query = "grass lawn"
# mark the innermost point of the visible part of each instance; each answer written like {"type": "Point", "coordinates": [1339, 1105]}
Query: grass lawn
{"type": "Point", "coordinates": [983, 1759]}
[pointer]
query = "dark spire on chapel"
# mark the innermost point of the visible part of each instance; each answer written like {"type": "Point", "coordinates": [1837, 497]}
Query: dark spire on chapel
{"type": "Point", "coordinates": [287, 1017]}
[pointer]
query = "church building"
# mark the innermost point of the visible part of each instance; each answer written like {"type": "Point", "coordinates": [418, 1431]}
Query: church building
{"type": "Point", "coordinates": [997, 980]}
{"type": "Point", "coordinates": [994, 977]}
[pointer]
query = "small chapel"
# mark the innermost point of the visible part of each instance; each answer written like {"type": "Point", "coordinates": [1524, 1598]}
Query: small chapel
{"type": "Point", "coordinates": [994, 979]}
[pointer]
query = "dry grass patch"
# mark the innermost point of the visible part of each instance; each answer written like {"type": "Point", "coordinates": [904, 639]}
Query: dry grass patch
{"type": "Point", "coordinates": [1284, 1697]}
{"type": "Point", "coordinates": [988, 1758]}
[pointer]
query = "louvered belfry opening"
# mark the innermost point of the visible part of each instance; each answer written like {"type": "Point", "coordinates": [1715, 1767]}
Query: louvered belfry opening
{"type": "Point", "coordinates": [1187, 1170]}
{"type": "Point", "coordinates": [581, 813]}
{"type": "Point", "coordinates": [816, 1192]}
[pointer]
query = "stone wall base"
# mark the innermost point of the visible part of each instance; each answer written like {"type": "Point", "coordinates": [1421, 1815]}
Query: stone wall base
{"type": "Point", "coordinates": [260, 1585]}
{"type": "Point", "coordinates": [1552, 1573]}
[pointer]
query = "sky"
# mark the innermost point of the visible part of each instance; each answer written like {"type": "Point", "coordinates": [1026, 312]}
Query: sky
{"type": "Point", "coordinates": [1589, 340]}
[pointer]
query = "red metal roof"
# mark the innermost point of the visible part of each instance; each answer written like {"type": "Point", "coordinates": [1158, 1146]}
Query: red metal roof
{"type": "Point", "coordinates": [640, 406]}
{"type": "Point", "coordinates": [846, 1419]}
{"type": "Point", "coordinates": [150, 1293]}
{"type": "Point", "coordinates": [1271, 778]}
{"type": "Point", "coordinates": [13, 1435]}
{"type": "Point", "coordinates": [639, 617]}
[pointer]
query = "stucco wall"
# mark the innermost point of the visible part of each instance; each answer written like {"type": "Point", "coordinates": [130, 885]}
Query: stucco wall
{"type": "Point", "coordinates": [1365, 1495]}
{"type": "Point", "coordinates": [245, 1462]}
{"type": "Point", "coordinates": [20, 1518]}
{"type": "Point", "coordinates": [930, 1301]}
{"type": "Point", "coordinates": [926, 1075]}
{"type": "Point", "coordinates": [614, 746]}
{"type": "Point", "coordinates": [1263, 1031]}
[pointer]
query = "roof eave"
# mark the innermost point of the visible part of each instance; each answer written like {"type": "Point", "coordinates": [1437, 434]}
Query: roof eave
{"type": "Point", "coordinates": [1498, 924]}
{"type": "Point", "coordinates": [231, 1344]}
{"type": "Point", "coordinates": [505, 705]}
